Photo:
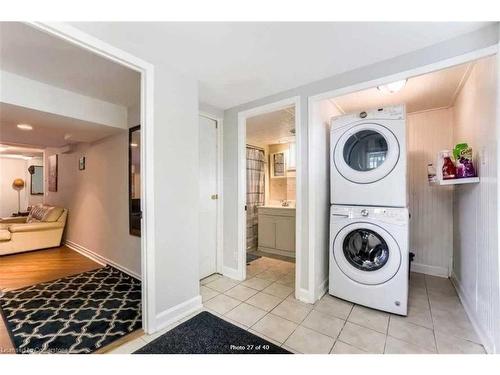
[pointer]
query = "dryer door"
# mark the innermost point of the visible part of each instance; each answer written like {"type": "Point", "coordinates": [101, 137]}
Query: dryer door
{"type": "Point", "coordinates": [366, 153]}
{"type": "Point", "coordinates": [366, 253]}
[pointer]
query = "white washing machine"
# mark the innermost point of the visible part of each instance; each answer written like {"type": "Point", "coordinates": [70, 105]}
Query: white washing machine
{"type": "Point", "coordinates": [369, 256]}
{"type": "Point", "coordinates": [368, 158]}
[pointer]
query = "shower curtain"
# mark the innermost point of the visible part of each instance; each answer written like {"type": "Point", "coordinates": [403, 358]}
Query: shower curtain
{"type": "Point", "coordinates": [255, 192]}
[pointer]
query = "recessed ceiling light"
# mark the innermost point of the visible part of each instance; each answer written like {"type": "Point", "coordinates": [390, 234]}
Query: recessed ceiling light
{"type": "Point", "coordinates": [24, 127]}
{"type": "Point", "coordinates": [393, 87]}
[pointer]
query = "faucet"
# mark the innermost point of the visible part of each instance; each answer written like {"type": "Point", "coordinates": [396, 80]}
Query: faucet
{"type": "Point", "coordinates": [285, 203]}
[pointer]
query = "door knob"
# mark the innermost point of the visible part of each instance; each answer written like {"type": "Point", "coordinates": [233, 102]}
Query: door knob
{"type": "Point", "coordinates": [214, 196]}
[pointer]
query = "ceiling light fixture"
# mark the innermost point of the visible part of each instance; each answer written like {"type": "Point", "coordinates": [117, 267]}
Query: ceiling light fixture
{"type": "Point", "coordinates": [24, 127]}
{"type": "Point", "coordinates": [393, 87]}
{"type": "Point", "coordinates": [133, 144]}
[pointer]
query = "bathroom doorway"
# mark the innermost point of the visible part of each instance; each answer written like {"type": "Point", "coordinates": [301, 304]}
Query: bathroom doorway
{"type": "Point", "coordinates": [269, 219]}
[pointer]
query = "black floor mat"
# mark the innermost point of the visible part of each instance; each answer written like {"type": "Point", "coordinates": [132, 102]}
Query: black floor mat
{"type": "Point", "coordinates": [252, 257]}
{"type": "Point", "coordinates": [75, 314]}
{"type": "Point", "coordinates": [208, 334]}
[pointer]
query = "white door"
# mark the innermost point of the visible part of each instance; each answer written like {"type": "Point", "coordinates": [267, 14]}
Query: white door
{"type": "Point", "coordinates": [208, 196]}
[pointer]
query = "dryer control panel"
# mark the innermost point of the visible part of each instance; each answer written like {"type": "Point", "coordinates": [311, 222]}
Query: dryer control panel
{"type": "Point", "coordinates": [397, 112]}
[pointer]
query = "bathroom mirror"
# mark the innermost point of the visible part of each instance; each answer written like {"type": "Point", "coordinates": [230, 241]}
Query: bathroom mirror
{"type": "Point", "coordinates": [36, 186]}
{"type": "Point", "coordinates": [278, 165]}
{"type": "Point", "coordinates": [134, 181]}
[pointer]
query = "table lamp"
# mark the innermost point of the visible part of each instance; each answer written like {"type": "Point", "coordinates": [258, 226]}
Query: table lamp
{"type": "Point", "coordinates": [18, 185]}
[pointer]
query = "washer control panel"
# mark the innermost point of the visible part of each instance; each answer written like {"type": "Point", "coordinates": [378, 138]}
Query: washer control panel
{"type": "Point", "coordinates": [388, 214]}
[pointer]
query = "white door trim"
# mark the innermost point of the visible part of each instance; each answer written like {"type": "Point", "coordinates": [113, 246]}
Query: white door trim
{"type": "Point", "coordinates": [220, 199]}
{"type": "Point", "coordinates": [94, 45]}
{"type": "Point", "coordinates": [240, 272]}
{"type": "Point", "coordinates": [314, 99]}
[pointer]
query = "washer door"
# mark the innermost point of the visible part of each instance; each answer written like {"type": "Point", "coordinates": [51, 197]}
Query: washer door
{"type": "Point", "coordinates": [366, 253]}
{"type": "Point", "coordinates": [366, 153]}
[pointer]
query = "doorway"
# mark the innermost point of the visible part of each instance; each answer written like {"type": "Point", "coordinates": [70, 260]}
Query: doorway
{"type": "Point", "coordinates": [94, 47]}
{"type": "Point", "coordinates": [269, 188]}
{"type": "Point", "coordinates": [209, 195]}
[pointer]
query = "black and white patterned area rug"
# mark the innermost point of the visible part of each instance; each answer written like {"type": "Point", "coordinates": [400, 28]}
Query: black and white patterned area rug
{"type": "Point", "coordinates": [75, 314]}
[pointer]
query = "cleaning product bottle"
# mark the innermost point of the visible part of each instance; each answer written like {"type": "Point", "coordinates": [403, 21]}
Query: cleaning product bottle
{"type": "Point", "coordinates": [449, 170]}
{"type": "Point", "coordinates": [463, 156]}
{"type": "Point", "coordinates": [431, 173]}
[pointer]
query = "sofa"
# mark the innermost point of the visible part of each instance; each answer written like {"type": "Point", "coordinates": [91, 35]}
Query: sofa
{"type": "Point", "coordinates": [42, 228]}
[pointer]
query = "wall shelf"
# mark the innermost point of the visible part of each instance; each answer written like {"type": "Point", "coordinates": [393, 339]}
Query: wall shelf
{"type": "Point", "coordinates": [456, 181]}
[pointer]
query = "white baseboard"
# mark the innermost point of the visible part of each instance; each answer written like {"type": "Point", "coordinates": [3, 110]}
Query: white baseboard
{"type": "Point", "coordinates": [304, 295]}
{"type": "Point", "coordinates": [429, 270]}
{"type": "Point", "coordinates": [231, 273]}
{"type": "Point", "coordinates": [176, 313]}
{"type": "Point", "coordinates": [99, 258]}
{"type": "Point", "coordinates": [321, 289]}
{"type": "Point", "coordinates": [483, 336]}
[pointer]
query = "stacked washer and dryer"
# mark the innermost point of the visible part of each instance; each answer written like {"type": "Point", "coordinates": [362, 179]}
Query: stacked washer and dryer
{"type": "Point", "coordinates": [369, 255]}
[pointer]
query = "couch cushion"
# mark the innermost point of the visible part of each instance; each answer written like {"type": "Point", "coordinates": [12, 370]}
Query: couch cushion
{"type": "Point", "coordinates": [43, 213]}
{"type": "Point", "coordinates": [36, 214]}
{"type": "Point", "coordinates": [52, 214]}
{"type": "Point", "coordinates": [4, 235]}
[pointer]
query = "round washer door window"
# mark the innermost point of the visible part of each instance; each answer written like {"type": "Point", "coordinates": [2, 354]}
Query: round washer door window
{"type": "Point", "coordinates": [365, 249]}
{"type": "Point", "coordinates": [366, 253]}
{"type": "Point", "coordinates": [366, 153]}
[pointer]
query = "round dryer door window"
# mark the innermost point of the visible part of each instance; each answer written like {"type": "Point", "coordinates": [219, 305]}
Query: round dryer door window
{"type": "Point", "coordinates": [366, 253]}
{"type": "Point", "coordinates": [366, 153]}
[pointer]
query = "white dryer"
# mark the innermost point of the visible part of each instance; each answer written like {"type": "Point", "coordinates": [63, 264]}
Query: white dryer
{"type": "Point", "coordinates": [369, 256]}
{"type": "Point", "coordinates": [368, 158]}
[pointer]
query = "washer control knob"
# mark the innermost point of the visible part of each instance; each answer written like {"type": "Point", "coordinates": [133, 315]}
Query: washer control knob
{"type": "Point", "coordinates": [364, 212]}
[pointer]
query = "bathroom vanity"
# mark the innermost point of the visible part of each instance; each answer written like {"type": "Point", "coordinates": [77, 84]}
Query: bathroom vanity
{"type": "Point", "coordinates": [276, 233]}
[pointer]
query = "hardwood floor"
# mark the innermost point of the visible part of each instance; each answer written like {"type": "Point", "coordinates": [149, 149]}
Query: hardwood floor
{"type": "Point", "coordinates": [24, 269]}
{"type": "Point", "coordinates": [21, 270]}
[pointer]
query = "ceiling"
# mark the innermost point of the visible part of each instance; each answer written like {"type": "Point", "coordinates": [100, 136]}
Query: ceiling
{"type": "Point", "coordinates": [271, 128]}
{"type": "Point", "coordinates": [49, 130]}
{"type": "Point", "coordinates": [429, 91]}
{"type": "Point", "coordinates": [239, 62]}
{"type": "Point", "coordinates": [36, 55]}
{"type": "Point", "coordinates": [16, 151]}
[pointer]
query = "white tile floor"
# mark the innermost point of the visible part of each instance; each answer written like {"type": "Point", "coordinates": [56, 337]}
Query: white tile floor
{"type": "Point", "coordinates": [264, 304]}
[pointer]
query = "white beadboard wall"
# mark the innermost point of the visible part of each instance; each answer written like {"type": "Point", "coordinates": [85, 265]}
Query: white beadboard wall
{"type": "Point", "coordinates": [431, 207]}
{"type": "Point", "coordinates": [476, 257]}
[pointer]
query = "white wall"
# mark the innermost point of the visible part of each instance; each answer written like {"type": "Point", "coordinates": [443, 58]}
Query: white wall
{"type": "Point", "coordinates": [176, 183]}
{"type": "Point", "coordinates": [431, 207]}
{"type": "Point", "coordinates": [11, 169]}
{"type": "Point", "coordinates": [469, 42]}
{"type": "Point", "coordinates": [97, 199]}
{"type": "Point", "coordinates": [24, 92]}
{"type": "Point", "coordinates": [476, 252]}
{"type": "Point", "coordinates": [319, 213]}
